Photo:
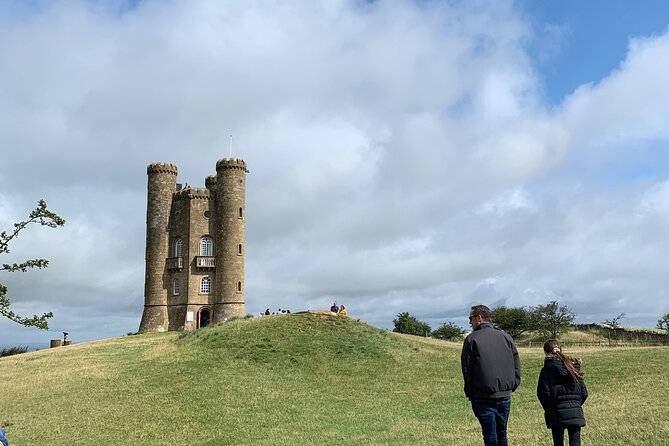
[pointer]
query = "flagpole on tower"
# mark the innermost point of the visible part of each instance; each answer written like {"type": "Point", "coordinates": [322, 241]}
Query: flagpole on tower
{"type": "Point", "coordinates": [230, 146]}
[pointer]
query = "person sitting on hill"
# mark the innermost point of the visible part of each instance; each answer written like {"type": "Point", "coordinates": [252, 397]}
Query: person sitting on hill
{"type": "Point", "coordinates": [334, 309]}
{"type": "Point", "coordinates": [342, 311]}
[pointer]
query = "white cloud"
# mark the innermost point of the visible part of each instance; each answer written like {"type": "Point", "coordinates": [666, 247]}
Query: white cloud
{"type": "Point", "coordinates": [509, 201]}
{"type": "Point", "coordinates": [627, 105]}
{"type": "Point", "coordinates": [655, 200]}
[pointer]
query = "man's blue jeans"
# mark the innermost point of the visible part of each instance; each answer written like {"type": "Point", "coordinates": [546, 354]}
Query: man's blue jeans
{"type": "Point", "coordinates": [493, 416]}
{"type": "Point", "coordinates": [3, 438]}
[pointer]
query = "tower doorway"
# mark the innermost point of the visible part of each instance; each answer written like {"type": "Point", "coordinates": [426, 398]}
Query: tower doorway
{"type": "Point", "coordinates": [205, 317]}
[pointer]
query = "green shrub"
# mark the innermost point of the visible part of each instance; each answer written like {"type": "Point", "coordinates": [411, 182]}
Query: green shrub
{"type": "Point", "coordinates": [13, 351]}
{"type": "Point", "coordinates": [405, 323]}
{"type": "Point", "coordinates": [447, 331]}
{"type": "Point", "coordinates": [552, 319]}
{"type": "Point", "coordinates": [513, 320]}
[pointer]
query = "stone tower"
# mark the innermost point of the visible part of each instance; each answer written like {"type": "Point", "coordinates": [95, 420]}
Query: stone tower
{"type": "Point", "coordinates": [195, 248]}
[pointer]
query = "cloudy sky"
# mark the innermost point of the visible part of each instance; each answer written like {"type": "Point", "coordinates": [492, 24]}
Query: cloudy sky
{"type": "Point", "coordinates": [418, 156]}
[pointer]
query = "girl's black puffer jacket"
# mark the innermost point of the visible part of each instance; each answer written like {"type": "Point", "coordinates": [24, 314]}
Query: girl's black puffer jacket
{"type": "Point", "coordinates": [560, 396]}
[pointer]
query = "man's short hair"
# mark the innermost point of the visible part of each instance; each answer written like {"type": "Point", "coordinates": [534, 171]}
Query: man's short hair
{"type": "Point", "coordinates": [483, 311]}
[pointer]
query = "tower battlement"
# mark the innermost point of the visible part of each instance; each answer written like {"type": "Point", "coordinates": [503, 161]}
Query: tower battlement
{"type": "Point", "coordinates": [231, 163]}
{"type": "Point", "coordinates": [192, 193]}
{"type": "Point", "coordinates": [210, 182]}
{"type": "Point", "coordinates": [161, 168]}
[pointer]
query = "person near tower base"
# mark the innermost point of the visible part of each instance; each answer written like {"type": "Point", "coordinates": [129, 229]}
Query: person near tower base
{"type": "Point", "coordinates": [491, 372]}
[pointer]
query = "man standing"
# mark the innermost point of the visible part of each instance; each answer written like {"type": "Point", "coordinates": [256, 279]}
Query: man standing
{"type": "Point", "coordinates": [491, 369]}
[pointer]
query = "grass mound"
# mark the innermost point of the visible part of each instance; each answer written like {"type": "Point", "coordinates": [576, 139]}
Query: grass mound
{"type": "Point", "coordinates": [300, 339]}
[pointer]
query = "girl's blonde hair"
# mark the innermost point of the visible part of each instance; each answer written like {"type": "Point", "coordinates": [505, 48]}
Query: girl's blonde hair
{"type": "Point", "coordinates": [553, 347]}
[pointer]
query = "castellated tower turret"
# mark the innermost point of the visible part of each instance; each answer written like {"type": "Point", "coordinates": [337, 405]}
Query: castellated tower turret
{"type": "Point", "coordinates": [195, 248]}
{"type": "Point", "coordinates": [231, 214]}
{"type": "Point", "coordinates": [161, 187]}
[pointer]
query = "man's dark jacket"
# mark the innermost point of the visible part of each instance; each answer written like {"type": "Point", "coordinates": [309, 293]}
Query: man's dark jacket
{"type": "Point", "coordinates": [490, 363]}
{"type": "Point", "coordinates": [560, 396]}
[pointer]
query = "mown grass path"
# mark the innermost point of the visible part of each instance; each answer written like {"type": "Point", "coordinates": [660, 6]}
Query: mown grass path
{"type": "Point", "coordinates": [302, 379]}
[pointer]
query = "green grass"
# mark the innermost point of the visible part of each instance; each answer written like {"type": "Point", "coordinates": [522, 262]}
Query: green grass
{"type": "Point", "coordinates": [302, 379]}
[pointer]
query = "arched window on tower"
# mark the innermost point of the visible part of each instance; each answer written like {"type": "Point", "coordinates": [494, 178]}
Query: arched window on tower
{"type": "Point", "coordinates": [176, 287]}
{"type": "Point", "coordinates": [206, 246]}
{"type": "Point", "coordinates": [239, 287]}
{"type": "Point", "coordinates": [241, 213]}
{"type": "Point", "coordinates": [178, 247]}
{"type": "Point", "coordinates": [239, 249]}
{"type": "Point", "coordinates": [205, 285]}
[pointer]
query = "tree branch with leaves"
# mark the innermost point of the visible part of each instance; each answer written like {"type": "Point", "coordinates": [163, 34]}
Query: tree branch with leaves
{"type": "Point", "coordinates": [42, 216]}
{"type": "Point", "coordinates": [552, 319]}
{"type": "Point", "coordinates": [513, 320]}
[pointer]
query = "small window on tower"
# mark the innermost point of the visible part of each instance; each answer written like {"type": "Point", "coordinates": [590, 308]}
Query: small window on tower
{"type": "Point", "coordinates": [239, 250]}
{"type": "Point", "coordinates": [239, 287]}
{"type": "Point", "coordinates": [207, 214]}
{"type": "Point", "coordinates": [176, 288]}
{"type": "Point", "coordinates": [205, 285]}
{"type": "Point", "coordinates": [178, 247]}
{"type": "Point", "coordinates": [241, 213]}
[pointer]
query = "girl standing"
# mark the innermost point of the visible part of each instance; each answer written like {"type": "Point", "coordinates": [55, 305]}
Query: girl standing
{"type": "Point", "coordinates": [562, 392]}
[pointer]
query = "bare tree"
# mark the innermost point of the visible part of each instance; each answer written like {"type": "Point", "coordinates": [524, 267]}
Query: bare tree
{"type": "Point", "coordinates": [615, 322]}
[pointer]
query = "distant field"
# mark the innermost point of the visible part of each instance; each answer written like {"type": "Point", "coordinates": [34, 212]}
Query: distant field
{"type": "Point", "coordinates": [302, 379]}
{"type": "Point", "coordinates": [650, 330]}
{"type": "Point", "coordinates": [601, 337]}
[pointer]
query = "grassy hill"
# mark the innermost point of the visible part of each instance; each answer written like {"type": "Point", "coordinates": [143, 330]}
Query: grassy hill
{"type": "Point", "coordinates": [302, 379]}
